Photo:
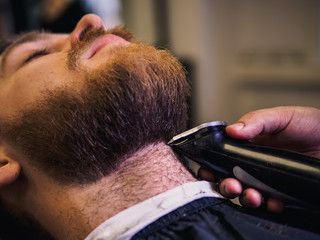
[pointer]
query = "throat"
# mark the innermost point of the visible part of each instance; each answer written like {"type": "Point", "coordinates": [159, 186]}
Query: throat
{"type": "Point", "coordinates": [153, 170]}
{"type": "Point", "coordinates": [78, 210]}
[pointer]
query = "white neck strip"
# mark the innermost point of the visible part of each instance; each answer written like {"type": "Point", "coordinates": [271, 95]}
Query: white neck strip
{"type": "Point", "coordinates": [130, 221]}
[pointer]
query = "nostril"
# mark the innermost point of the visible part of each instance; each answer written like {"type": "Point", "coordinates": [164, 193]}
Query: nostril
{"type": "Point", "coordinates": [84, 32]}
{"type": "Point", "coordinates": [86, 23]}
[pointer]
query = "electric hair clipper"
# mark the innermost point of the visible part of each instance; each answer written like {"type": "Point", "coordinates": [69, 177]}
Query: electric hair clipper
{"type": "Point", "coordinates": [289, 176]}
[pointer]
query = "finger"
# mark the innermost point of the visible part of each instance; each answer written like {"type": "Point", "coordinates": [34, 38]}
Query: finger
{"type": "Point", "coordinates": [230, 187]}
{"type": "Point", "coordinates": [206, 175]}
{"type": "Point", "coordinates": [275, 205]}
{"type": "Point", "coordinates": [251, 198]}
{"type": "Point", "coordinates": [265, 121]}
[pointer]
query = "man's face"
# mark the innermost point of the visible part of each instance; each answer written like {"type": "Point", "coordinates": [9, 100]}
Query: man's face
{"type": "Point", "coordinates": [41, 61]}
{"type": "Point", "coordinates": [76, 108]}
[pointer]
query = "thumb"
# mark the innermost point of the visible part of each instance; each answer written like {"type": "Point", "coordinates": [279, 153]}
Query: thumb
{"type": "Point", "coordinates": [264, 121]}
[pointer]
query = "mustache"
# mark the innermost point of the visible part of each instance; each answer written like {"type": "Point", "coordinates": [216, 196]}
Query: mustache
{"type": "Point", "coordinates": [86, 38]}
{"type": "Point", "coordinates": [89, 35]}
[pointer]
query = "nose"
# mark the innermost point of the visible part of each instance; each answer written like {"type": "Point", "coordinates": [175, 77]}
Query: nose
{"type": "Point", "coordinates": [88, 20]}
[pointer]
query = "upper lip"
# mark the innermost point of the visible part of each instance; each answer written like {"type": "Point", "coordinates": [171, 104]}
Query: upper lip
{"type": "Point", "coordinates": [103, 41]}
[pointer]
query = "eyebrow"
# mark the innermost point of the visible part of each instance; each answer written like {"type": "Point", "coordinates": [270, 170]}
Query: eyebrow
{"type": "Point", "coordinates": [28, 37]}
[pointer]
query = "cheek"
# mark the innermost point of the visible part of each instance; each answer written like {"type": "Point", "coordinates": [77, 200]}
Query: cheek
{"type": "Point", "coordinates": [21, 89]}
{"type": "Point", "coordinates": [18, 93]}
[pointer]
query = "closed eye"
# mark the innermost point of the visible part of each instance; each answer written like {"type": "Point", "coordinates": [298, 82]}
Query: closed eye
{"type": "Point", "coordinates": [36, 54]}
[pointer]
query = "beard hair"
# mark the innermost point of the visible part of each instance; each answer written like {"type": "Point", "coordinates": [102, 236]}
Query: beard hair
{"type": "Point", "coordinates": [91, 34]}
{"type": "Point", "coordinates": [77, 137]}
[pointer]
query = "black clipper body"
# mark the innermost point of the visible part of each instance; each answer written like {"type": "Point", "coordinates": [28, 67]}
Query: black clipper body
{"type": "Point", "coordinates": [286, 175]}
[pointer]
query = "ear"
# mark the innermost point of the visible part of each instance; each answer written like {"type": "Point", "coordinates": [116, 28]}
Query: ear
{"type": "Point", "coordinates": [9, 170]}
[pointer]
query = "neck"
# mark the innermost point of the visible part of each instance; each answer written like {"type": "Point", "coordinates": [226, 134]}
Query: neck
{"type": "Point", "coordinates": [75, 211]}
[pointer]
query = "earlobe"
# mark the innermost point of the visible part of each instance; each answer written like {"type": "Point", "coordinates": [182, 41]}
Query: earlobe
{"type": "Point", "coordinates": [9, 171]}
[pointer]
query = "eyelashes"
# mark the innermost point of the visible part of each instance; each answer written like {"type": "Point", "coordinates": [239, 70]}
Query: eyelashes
{"type": "Point", "coordinates": [36, 54]}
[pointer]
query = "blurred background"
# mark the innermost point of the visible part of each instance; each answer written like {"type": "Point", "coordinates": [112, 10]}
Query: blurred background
{"type": "Point", "coordinates": [241, 55]}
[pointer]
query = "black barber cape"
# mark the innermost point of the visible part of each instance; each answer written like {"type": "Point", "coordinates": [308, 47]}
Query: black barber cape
{"type": "Point", "coordinates": [214, 218]}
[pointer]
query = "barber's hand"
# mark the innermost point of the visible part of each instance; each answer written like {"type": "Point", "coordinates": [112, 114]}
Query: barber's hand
{"type": "Point", "coordinates": [232, 188]}
{"type": "Point", "coordinates": [292, 128]}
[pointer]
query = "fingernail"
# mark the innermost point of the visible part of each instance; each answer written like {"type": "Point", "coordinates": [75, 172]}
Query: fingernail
{"type": "Point", "coordinates": [237, 126]}
{"type": "Point", "coordinates": [225, 189]}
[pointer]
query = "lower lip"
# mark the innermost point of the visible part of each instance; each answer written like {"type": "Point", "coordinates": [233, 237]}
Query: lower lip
{"type": "Point", "coordinates": [106, 40]}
